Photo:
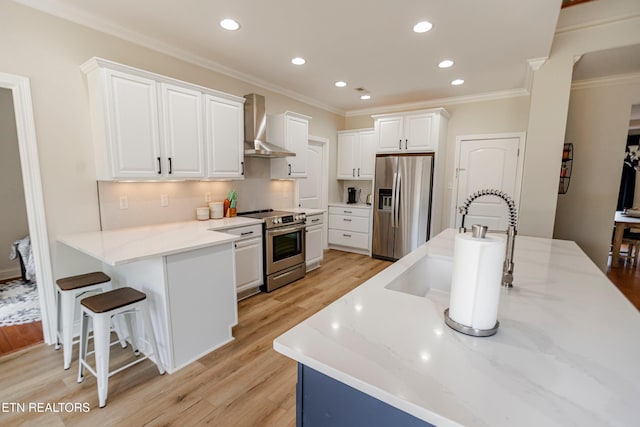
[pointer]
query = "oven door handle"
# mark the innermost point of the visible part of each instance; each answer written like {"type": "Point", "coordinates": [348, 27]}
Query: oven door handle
{"type": "Point", "coordinates": [279, 231]}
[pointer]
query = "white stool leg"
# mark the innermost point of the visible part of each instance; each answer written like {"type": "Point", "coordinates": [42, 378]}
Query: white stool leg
{"type": "Point", "coordinates": [117, 326]}
{"type": "Point", "coordinates": [82, 353]}
{"type": "Point", "coordinates": [101, 342]}
{"type": "Point", "coordinates": [151, 336]}
{"type": "Point", "coordinates": [67, 315]}
{"type": "Point", "coordinates": [133, 333]}
{"type": "Point", "coordinates": [58, 321]}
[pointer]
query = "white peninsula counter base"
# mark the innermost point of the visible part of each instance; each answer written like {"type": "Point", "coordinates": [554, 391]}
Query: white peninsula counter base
{"type": "Point", "coordinates": [567, 351]}
{"type": "Point", "coordinates": [187, 272]}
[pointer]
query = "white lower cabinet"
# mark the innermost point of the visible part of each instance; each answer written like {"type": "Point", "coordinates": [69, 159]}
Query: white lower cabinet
{"type": "Point", "coordinates": [314, 242]}
{"type": "Point", "coordinates": [349, 228]}
{"type": "Point", "coordinates": [248, 255]}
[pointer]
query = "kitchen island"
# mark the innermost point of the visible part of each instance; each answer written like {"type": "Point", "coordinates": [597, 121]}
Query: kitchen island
{"type": "Point", "coordinates": [566, 352]}
{"type": "Point", "coordinates": [187, 270]}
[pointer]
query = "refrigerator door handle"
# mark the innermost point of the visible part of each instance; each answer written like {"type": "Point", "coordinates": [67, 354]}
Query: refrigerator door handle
{"type": "Point", "coordinates": [396, 207]}
{"type": "Point", "coordinates": [393, 200]}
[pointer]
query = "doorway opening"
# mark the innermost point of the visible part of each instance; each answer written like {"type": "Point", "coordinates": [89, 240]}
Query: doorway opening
{"type": "Point", "coordinates": [33, 197]}
{"type": "Point", "coordinates": [624, 254]}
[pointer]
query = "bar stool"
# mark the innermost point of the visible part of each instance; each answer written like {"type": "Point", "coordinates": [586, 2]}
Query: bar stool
{"type": "Point", "coordinates": [101, 308]}
{"type": "Point", "coordinates": [70, 290]}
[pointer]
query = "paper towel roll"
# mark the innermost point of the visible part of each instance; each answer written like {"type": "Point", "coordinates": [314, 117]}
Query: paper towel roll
{"type": "Point", "coordinates": [476, 280]}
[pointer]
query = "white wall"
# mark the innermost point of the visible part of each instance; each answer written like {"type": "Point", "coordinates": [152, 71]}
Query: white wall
{"type": "Point", "coordinates": [13, 214]}
{"type": "Point", "coordinates": [496, 116]}
{"type": "Point", "coordinates": [49, 51]}
{"type": "Point", "coordinates": [597, 126]}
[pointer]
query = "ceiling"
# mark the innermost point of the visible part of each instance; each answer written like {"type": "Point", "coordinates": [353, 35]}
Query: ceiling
{"type": "Point", "coordinates": [367, 43]}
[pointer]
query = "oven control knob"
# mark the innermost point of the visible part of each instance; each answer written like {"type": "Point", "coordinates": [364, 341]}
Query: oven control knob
{"type": "Point", "coordinates": [274, 220]}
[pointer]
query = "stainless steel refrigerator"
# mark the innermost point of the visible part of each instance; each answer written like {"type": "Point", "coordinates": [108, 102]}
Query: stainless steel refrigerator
{"type": "Point", "coordinates": [402, 203]}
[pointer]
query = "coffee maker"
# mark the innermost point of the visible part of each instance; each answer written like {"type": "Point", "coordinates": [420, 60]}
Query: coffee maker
{"type": "Point", "coordinates": [352, 195]}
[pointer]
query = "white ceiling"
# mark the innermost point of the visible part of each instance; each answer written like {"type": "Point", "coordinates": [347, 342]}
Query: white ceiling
{"type": "Point", "coordinates": [367, 43]}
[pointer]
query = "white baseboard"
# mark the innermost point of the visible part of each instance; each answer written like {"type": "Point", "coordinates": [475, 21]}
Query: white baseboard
{"type": "Point", "coordinates": [10, 273]}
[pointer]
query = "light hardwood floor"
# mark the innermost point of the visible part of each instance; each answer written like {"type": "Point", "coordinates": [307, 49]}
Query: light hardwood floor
{"type": "Point", "coordinates": [245, 383]}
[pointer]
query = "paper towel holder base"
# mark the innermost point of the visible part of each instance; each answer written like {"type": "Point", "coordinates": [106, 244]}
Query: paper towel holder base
{"type": "Point", "coordinates": [468, 330]}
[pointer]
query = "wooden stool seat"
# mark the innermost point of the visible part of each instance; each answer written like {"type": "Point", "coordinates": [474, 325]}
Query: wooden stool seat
{"type": "Point", "coordinates": [102, 309]}
{"type": "Point", "coordinates": [69, 292]}
{"type": "Point", "coordinates": [82, 281]}
{"type": "Point", "coordinates": [111, 300]}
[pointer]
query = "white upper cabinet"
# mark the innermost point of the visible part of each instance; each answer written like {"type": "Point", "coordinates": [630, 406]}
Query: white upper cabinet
{"type": "Point", "coordinates": [290, 131]}
{"type": "Point", "coordinates": [356, 154]}
{"type": "Point", "coordinates": [225, 138]}
{"type": "Point", "coordinates": [129, 116]}
{"type": "Point", "coordinates": [150, 127]}
{"type": "Point", "coordinates": [417, 131]}
{"type": "Point", "coordinates": [182, 131]}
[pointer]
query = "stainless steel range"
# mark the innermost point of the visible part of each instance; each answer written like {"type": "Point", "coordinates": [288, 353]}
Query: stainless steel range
{"type": "Point", "coordinates": [284, 247]}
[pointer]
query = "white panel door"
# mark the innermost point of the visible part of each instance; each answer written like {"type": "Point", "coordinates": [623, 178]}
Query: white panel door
{"type": "Point", "coordinates": [297, 138]}
{"type": "Point", "coordinates": [347, 143]}
{"type": "Point", "coordinates": [417, 133]}
{"type": "Point", "coordinates": [487, 164]}
{"type": "Point", "coordinates": [310, 189]}
{"type": "Point", "coordinates": [182, 135]}
{"type": "Point", "coordinates": [225, 138]}
{"type": "Point", "coordinates": [367, 155]}
{"type": "Point", "coordinates": [133, 130]}
{"type": "Point", "coordinates": [389, 131]}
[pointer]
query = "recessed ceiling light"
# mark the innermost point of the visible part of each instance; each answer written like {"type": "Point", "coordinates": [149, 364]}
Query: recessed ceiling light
{"type": "Point", "coordinates": [341, 83]}
{"type": "Point", "coordinates": [365, 97]}
{"type": "Point", "coordinates": [298, 61]}
{"type": "Point", "coordinates": [229, 24]}
{"type": "Point", "coordinates": [445, 64]}
{"type": "Point", "coordinates": [457, 82]}
{"type": "Point", "coordinates": [422, 27]}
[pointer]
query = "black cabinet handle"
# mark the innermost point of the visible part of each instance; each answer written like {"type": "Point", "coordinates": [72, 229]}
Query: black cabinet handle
{"type": "Point", "coordinates": [358, 171]}
{"type": "Point", "coordinates": [346, 235]}
{"type": "Point", "coordinates": [246, 233]}
{"type": "Point", "coordinates": [353, 172]}
{"type": "Point", "coordinates": [242, 165]}
{"type": "Point", "coordinates": [315, 220]}
{"type": "Point", "coordinates": [406, 142]}
{"type": "Point", "coordinates": [159, 166]}
{"type": "Point", "coordinates": [400, 145]}
{"type": "Point", "coordinates": [289, 168]}
{"type": "Point", "coordinates": [170, 166]}
{"type": "Point", "coordinates": [346, 219]}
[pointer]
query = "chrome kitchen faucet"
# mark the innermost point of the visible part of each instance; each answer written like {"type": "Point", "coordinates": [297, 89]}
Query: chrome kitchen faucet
{"type": "Point", "coordinates": [507, 269]}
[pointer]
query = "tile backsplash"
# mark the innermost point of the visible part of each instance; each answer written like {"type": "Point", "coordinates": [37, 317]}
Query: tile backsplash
{"type": "Point", "coordinates": [131, 204]}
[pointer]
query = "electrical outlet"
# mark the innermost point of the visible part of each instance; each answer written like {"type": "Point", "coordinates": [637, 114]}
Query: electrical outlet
{"type": "Point", "coordinates": [164, 200]}
{"type": "Point", "coordinates": [124, 202]}
{"type": "Point", "coordinates": [207, 197]}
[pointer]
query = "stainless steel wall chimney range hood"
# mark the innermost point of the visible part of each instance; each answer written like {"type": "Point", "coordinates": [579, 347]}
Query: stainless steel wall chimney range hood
{"type": "Point", "coordinates": [255, 130]}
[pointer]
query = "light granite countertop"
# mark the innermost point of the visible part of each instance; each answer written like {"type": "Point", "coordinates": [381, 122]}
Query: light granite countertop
{"type": "Point", "coordinates": [125, 245]}
{"type": "Point", "coordinates": [567, 351]}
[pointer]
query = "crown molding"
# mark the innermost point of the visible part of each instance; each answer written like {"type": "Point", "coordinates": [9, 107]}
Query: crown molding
{"type": "Point", "coordinates": [597, 23]}
{"type": "Point", "coordinates": [488, 96]}
{"type": "Point", "coordinates": [614, 80]}
{"type": "Point", "coordinates": [67, 13]}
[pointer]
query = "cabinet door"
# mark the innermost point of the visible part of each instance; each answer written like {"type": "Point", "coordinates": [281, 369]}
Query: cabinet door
{"type": "Point", "coordinates": [314, 244]}
{"type": "Point", "coordinates": [297, 138]}
{"type": "Point", "coordinates": [248, 263]}
{"type": "Point", "coordinates": [389, 131]}
{"type": "Point", "coordinates": [225, 138]}
{"type": "Point", "coordinates": [417, 133]}
{"type": "Point", "coordinates": [347, 143]}
{"type": "Point", "coordinates": [132, 126]}
{"type": "Point", "coordinates": [367, 155]}
{"type": "Point", "coordinates": [182, 135]}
